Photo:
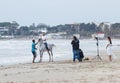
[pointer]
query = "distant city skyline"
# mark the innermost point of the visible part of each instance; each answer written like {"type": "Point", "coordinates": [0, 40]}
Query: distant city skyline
{"type": "Point", "coordinates": [55, 12]}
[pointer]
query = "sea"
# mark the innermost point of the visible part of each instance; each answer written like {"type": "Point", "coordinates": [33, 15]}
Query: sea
{"type": "Point", "coordinates": [18, 51]}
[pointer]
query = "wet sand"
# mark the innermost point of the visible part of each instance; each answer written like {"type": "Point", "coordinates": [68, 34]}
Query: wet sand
{"type": "Point", "coordinates": [90, 71]}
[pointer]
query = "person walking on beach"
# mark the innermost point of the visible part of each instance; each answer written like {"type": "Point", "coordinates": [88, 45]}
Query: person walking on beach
{"type": "Point", "coordinates": [34, 50]}
{"type": "Point", "coordinates": [75, 46]}
{"type": "Point", "coordinates": [109, 48]}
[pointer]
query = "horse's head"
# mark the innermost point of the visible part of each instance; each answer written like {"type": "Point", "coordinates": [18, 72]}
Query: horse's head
{"type": "Point", "coordinates": [40, 41]}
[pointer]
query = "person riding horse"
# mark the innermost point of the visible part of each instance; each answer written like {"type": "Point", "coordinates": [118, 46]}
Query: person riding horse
{"type": "Point", "coordinates": [44, 39]}
{"type": "Point", "coordinates": [43, 46]}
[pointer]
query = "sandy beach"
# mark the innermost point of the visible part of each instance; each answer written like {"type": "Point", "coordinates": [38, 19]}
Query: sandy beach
{"type": "Point", "coordinates": [90, 71]}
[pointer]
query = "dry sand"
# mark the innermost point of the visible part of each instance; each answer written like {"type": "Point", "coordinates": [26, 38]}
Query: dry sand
{"type": "Point", "coordinates": [92, 71]}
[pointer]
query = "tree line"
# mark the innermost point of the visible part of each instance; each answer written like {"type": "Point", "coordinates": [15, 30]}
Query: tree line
{"type": "Point", "coordinates": [84, 29]}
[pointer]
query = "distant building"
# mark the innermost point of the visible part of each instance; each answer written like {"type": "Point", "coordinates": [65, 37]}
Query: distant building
{"type": "Point", "coordinates": [38, 31]}
{"type": "Point", "coordinates": [3, 29]}
{"type": "Point", "coordinates": [59, 35]}
{"type": "Point", "coordinates": [100, 35]}
{"type": "Point", "coordinates": [7, 37]}
{"type": "Point", "coordinates": [43, 30]}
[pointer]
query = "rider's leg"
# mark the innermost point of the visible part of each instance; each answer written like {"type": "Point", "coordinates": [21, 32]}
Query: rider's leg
{"type": "Point", "coordinates": [46, 45]}
{"type": "Point", "coordinates": [47, 51]}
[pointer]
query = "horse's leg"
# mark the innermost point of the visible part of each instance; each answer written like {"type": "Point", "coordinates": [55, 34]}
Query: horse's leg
{"type": "Point", "coordinates": [41, 55]}
{"type": "Point", "coordinates": [49, 55]}
{"type": "Point", "coordinates": [52, 55]}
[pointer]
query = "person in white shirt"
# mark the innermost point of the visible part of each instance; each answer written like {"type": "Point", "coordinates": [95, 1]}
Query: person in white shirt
{"type": "Point", "coordinates": [44, 39]}
{"type": "Point", "coordinates": [109, 49]}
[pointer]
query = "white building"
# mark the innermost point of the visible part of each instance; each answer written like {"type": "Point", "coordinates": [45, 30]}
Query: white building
{"type": "Point", "coordinates": [58, 35]}
{"type": "Point", "coordinates": [100, 35]}
{"type": "Point", "coordinates": [3, 29]}
{"type": "Point", "coordinates": [43, 30]}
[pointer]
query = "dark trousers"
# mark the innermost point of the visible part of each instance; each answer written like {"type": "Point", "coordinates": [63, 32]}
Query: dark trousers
{"type": "Point", "coordinates": [46, 45]}
{"type": "Point", "coordinates": [76, 55]}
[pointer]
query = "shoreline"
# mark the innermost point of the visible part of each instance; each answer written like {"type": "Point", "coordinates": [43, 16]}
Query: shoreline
{"type": "Point", "coordinates": [36, 38]}
{"type": "Point", "coordinates": [103, 55]}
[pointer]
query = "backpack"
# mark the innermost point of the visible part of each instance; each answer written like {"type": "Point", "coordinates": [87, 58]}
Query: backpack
{"type": "Point", "coordinates": [81, 53]}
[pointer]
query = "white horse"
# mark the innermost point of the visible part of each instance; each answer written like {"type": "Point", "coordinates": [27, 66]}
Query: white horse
{"type": "Point", "coordinates": [42, 49]}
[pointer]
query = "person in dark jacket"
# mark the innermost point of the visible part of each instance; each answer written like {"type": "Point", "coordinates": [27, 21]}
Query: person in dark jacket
{"type": "Point", "coordinates": [75, 46]}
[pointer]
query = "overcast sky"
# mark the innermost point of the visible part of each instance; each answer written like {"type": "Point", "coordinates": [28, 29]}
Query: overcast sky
{"type": "Point", "coordinates": [54, 12]}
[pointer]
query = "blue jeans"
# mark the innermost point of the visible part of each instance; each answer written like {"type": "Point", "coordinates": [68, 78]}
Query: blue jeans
{"type": "Point", "coordinates": [46, 45]}
{"type": "Point", "coordinates": [76, 55]}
